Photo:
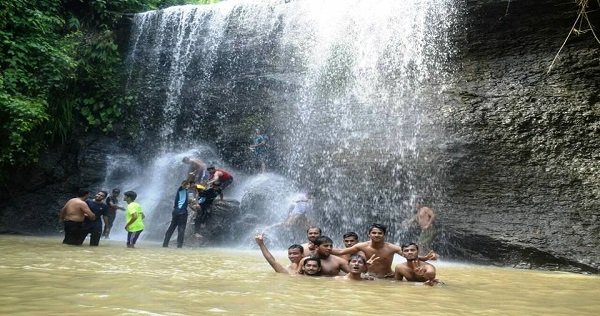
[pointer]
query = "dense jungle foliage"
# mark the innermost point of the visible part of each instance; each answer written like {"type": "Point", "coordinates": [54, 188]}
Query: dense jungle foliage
{"type": "Point", "coordinates": [60, 71]}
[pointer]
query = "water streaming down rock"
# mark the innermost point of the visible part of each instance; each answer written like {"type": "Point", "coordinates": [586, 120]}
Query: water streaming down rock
{"type": "Point", "coordinates": [346, 89]}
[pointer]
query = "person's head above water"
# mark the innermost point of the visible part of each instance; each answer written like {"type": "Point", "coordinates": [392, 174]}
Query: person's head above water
{"type": "Point", "coordinates": [185, 160]}
{"type": "Point", "coordinates": [350, 239]}
{"type": "Point", "coordinates": [295, 253]}
{"type": "Point", "coordinates": [312, 266]}
{"type": "Point", "coordinates": [312, 233]}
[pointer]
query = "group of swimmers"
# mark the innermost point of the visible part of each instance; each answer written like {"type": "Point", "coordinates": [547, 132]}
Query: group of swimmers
{"type": "Point", "coordinates": [317, 257]}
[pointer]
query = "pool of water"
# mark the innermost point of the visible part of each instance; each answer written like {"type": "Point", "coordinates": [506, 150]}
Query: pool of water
{"type": "Point", "coordinates": [40, 276]}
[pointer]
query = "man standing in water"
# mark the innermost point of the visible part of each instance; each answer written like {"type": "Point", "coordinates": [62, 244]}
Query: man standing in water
{"type": "Point", "coordinates": [311, 266]}
{"type": "Point", "coordinates": [378, 248]}
{"type": "Point", "coordinates": [294, 255]}
{"type": "Point", "coordinates": [350, 239]}
{"type": "Point", "coordinates": [330, 265]}
{"type": "Point", "coordinates": [426, 220]}
{"type": "Point", "coordinates": [311, 233]}
{"type": "Point", "coordinates": [94, 227]}
{"type": "Point", "coordinates": [134, 218]}
{"type": "Point", "coordinates": [113, 205]}
{"type": "Point", "coordinates": [413, 269]}
{"type": "Point", "coordinates": [297, 213]}
{"type": "Point", "coordinates": [260, 149]}
{"type": "Point", "coordinates": [72, 216]}
{"type": "Point", "coordinates": [357, 265]}
{"type": "Point", "coordinates": [179, 215]}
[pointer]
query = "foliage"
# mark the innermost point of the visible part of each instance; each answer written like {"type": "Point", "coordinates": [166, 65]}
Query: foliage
{"type": "Point", "coordinates": [61, 71]}
{"type": "Point", "coordinates": [34, 58]}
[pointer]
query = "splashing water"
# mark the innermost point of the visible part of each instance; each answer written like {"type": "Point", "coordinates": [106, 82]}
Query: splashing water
{"type": "Point", "coordinates": [351, 87]}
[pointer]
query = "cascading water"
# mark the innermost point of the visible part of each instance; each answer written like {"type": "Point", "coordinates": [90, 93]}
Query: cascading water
{"type": "Point", "coordinates": [348, 91]}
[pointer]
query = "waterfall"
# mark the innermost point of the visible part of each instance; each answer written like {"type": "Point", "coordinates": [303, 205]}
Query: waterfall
{"type": "Point", "coordinates": [348, 90]}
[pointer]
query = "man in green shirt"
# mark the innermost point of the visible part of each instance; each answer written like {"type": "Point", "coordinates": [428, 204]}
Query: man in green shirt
{"type": "Point", "coordinates": [134, 218]}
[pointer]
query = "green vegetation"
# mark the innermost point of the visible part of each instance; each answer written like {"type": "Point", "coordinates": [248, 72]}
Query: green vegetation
{"type": "Point", "coordinates": [60, 71]}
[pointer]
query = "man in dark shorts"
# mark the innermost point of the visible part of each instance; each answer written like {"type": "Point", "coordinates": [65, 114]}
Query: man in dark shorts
{"type": "Point", "coordinates": [72, 216]}
{"type": "Point", "coordinates": [113, 205]}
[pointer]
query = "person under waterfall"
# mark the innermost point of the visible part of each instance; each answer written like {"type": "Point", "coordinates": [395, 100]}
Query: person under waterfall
{"type": "Point", "coordinates": [205, 199]}
{"type": "Point", "coordinates": [260, 149]}
{"type": "Point", "coordinates": [197, 171]}
{"type": "Point", "coordinates": [219, 177]}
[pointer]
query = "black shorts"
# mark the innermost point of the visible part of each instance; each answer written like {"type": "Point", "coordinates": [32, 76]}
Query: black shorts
{"type": "Point", "coordinates": [74, 233]}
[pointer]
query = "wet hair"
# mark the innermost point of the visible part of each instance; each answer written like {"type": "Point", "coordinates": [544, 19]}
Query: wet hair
{"type": "Point", "coordinates": [321, 240]}
{"type": "Point", "coordinates": [312, 227]}
{"type": "Point", "coordinates": [117, 191]}
{"type": "Point", "coordinates": [312, 258]}
{"type": "Point", "coordinates": [378, 226]}
{"type": "Point", "coordinates": [350, 234]}
{"type": "Point", "coordinates": [185, 159]}
{"type": "Point", "coordinates": [104, 192]}
{"type": "Point", "coordinates": [211, 168]}
{"type": "Point", "coordinates": [131, 194]}
{"type": "Point", "coordinates": [83, 192]}
{"type": "Point", "coordinates": [409, 244]}
{"type": "Point", "coordinates": [296, 246]}
{"type": "Point", "coordinates": [357, 256]}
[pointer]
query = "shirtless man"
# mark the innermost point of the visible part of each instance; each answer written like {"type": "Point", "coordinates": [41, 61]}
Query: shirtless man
{"type": "Point", "coordinates": [219, 177]}
{"type": "Point", "coordinates": [311, 266]}
{"type": "Point", "coordinates": [311, 233]}
{"type": "Point", "coordinates": [350, 239]}
{"type": "Point", "coordinates": [294, 254]}
{"type": "Point", "coordinates": [330, 265]}
{"type": "Point", "coordinates": [197, 169]}
{"type": "Point", "coordinates": [357, 265]}
{"type": "Point", "coordinates": [426, 220]}
{"type": "Point", "coordinates": [72, 215]}
{"type": "Point", "coordinates": [377, 247]}
{"type": "Point", "coordinates": [413, 270]}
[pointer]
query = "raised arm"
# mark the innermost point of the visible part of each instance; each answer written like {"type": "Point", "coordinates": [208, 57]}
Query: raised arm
{"type": "Point", "coordinates": [259, 238]}
{"type": "Point", "coordinates": [350, 250]}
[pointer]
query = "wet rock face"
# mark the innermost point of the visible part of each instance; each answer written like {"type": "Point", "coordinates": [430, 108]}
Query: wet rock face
{"type": "Point", "coordinates": [522, 164]}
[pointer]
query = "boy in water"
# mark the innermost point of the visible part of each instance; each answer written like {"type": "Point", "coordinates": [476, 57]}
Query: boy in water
{"type": "Point", "coordinates": [113, 205]}
{"type": "Point", "coordinates": [134, 218]}
{"type": "Point", "coordinates": [294, 254]}
{"type": "Point", "coordinates": [414, 270]}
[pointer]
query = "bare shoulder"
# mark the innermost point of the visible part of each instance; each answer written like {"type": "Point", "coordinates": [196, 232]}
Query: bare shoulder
{"type": "Point", "coordinates": [393, 247]}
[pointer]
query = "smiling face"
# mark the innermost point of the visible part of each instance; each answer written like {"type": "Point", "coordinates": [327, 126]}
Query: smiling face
{"type": "Point", "coordinates": [99, 196]}
{"type": "Point", "coordinates": [295, 255]}
{"type": "Point", "coordinates": [376, 234]}
{"type": "Point", "coordinates": [311, 267]}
